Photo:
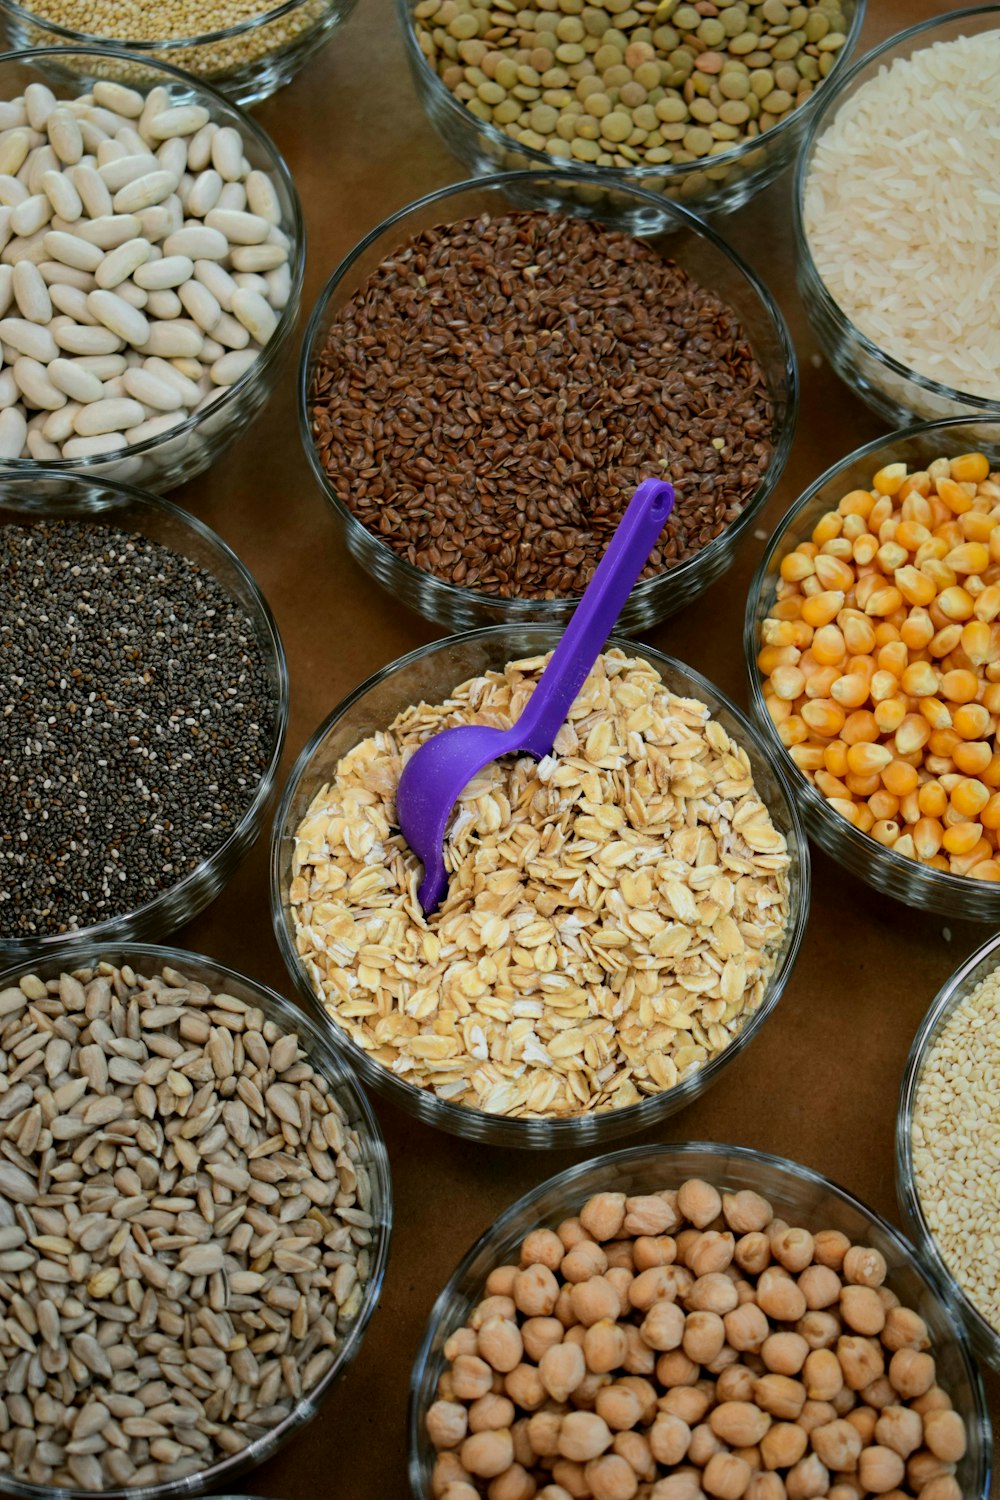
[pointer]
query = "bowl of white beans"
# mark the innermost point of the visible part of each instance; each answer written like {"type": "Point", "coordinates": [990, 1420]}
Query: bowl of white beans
{"type": "Point", "coordinates": [151, 260]}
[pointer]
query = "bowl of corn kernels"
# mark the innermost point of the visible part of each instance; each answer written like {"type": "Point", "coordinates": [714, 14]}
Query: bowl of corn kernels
{"type": "Point", "coordinates": [872, 641]}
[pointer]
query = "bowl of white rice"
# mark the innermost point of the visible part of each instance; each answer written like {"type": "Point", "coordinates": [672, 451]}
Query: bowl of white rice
{"type": "Point", "coordinates": [897, 220]}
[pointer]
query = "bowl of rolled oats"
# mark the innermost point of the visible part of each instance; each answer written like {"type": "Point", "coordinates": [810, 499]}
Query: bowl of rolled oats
{"type": "Point", "coordinates": [195, 1209]}
{"type": "Point", "coordinates": [622, 916]}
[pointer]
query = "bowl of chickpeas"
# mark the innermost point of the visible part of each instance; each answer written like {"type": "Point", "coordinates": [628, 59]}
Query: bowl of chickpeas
{"type": "Point", "coordinates": [872, 641]}
{"type": "Point", "coordinates": [679, 1321]}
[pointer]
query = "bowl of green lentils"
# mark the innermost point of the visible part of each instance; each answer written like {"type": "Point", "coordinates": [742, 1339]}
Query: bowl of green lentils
{"type": "Point", "coordinates": [706, 102]}
{"type": "Point", "coordinates": [143, 707]}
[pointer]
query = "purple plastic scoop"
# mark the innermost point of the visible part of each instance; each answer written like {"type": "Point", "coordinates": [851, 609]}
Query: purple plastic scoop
{"type": "Point", "coordinates": [438, 772]}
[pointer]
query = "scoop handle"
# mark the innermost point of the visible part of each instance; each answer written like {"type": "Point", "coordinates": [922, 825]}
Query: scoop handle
{"type": "Point", "coordinates": [595, 616]}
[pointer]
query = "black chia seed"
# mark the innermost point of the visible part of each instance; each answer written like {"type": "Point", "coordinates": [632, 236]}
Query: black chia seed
{"type": "Point", "coordinates": [135, 722]}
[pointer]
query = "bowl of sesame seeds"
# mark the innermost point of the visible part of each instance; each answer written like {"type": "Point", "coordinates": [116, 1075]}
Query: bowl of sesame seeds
{"type": "Point", "coordinates": [947, 1152]}
{"type": "Point", "coordinates": [143, 708]}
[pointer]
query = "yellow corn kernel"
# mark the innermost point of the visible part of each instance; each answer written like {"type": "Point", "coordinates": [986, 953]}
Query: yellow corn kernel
{"type": "Point", "coordinates": [951, 534]}
{"type": "Point", "coordinates": [807, 757]}
{"type": "Point", "coordinates": [889, 481]}
{"type": "Point", "coordinates": [971, 721]}
{"type": "Point", "coordinates": [893, 657]}
{"type": "Point", "coordinates": [858, 727]}
{"type": "Point", "coordinates": [787, 608]}
{"type": "Point", "coordinates": [845, 807]}
{"type": "Point", "coordinates": [912, 734]}
{"type": "Point", "coordinates": [960, 838]}
{"type": "Point", "coordinates": [831, 786]}
{"type": "Point", "coordinates": [770, 657]}
{"type": "Point", "coordinates": [853, 527]}
{"type": "Point", "coordinates": [861, 786]}
{"type": "Point", "coordinates": [883, 805]}
{"type": "Point", "coordinates": [823, 717]}
{"type": "Point", "coordinates": [821, 608]}
{"type": "Point", "coordinates": [887, 632]}
{"type": "Point", "coordinates": [864, 549]}
{"type": "Point", "coordinates": [835, 758]}
{"type": "Point", "coordinates": [995, 545]}
{"type": "Point", "coordinates": [969, 557]}
{"type": "Point", "coordinates": [777, 711]}
{"type": "Point", "coordinates": [882, 685]}
{"type": "Point", "coordinates": [863, 667]}
{"type": "Point", "coordinates": [991, 775]}
{"type": "Point", "coordinates": [987, 869]}
{"type": "Point", "coordinates": [920, 680]}
{"type": "Point", "coordinates": [788, 683]}
{"type": "Point", "coordinates": [904, 845]}
{"type": "Point", "coordinates": [834, 574]}
{"type": "Point", "coordinates": [859, 634]}
{"type": "Point", "coordinates": [866, 759]}
{"type": "Point", "coordinates": [917, 630]}
{"type": "Point", "coordinates": [827, 527]}
{"type": "Point", "coordinates": [939, 862]}
{"type": "Point", "coordinates": [969, 468]}
{"type": "Point", "coordinates": [886, 832]}
{"type": "Point", "coordinates": [795, 566]}
{"type": "Point", "coordinates": [899, 778]}
{"type": "Point", "coordinates": [865, 819]}
{"type": "Point", "coordinates": [963, 864]}
{"type": "Point", "coordinates": [977, 527]}
{"type": "Point", "coordinates": [820, 680]}
{"type": "Point", "coordinates": [977, 642]}
{"type": "Point", "coordinates": [933, 799]}
{"type": "Point", "coordinates": [829, 647]}
{"type": "Point", "coordinates": [793, 731]}
{"type": "Point", "coordinates": [972, 757]}
{"type": "Point", "coordinates": [884, 600]}
{"type": "Point", "coordinates": [955, 603]}
{"type": "Point", "coordinates": [890, 713]}
{"type": "Point", "coordinates": [987, 604]}
{"type": "Point", "coordinates": [960, 686]}
{"type": "Point", "coordinates": [909, 807]}
{"type": "Point", "coordinates": [942, 742]}
{"type": "Point", "coordinates": [957, 499]}
{"type": "Point", "coordinates": [937, 714]}
{"type": "Point", "coordinates": [941, 575]}
{"type": "Point", "coordinates": [850, 691]}
{"type": "Point", "coordinates": [840, 548]}
{"type": "Point", "coordinates": [969, 797]}
{"type": "Point", "coordinates": [857, 503]}
{"type": "Point", "coordinates": [932, 551]}
{"type": "Point", "coordinates": [927, 836]}
{"type": "Point", "coordinates": [912, 497]}
{"type": "Point", "coordinates": [990, 815]}
{"type": "Point", "coordinates": [891, 556]}
{"type": "Point", "coordinates": [915, 587]}
{"type": "Point", "coordinates": [945, 640]}
{"type": "Point", "coordinates": [938, 765]}
{"type": "Point", "coordinates": [911, 535]}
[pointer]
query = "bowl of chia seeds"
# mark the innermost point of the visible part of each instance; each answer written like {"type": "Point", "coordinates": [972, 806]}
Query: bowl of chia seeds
{"type": "Point", "coordinates": [482, 387]}
{"type": "Point", "coordinates": [143, 707]}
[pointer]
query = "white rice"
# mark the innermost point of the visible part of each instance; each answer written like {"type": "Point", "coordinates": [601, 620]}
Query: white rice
{"type": "Point", "coordinates": [902, 212]}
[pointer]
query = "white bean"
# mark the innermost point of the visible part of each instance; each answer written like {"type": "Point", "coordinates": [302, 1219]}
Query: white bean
{"type": "Point", "coordinates": [227, 153]}
{"type": "Point", "coordinates": [30, 293]}
{"type": "Point", "coordinates": [160, 220]}
{"type": "Point", "coordinates": [12, 114]}
{"type": "Point", "coordinates": [108, 416]}
{"type": "Point", "coordinates": [123, 320]}
{"type": "Point", "coordinates": [239, 228]}
{"type": "Point", "coordinates": [256, 314]}
{"type": "Point", "coordinates": [110, 231]}
{"type": "Point", "coordinates": [204, 194]}
{"type": "Point", "coordinates": [109, 151]}
{"type": "Point", "coordinates": [168, 271]}
{"type": "Point", "coordinates": [163, 370]}
{"type": "Point", "coordinates": [9, 390]}
{"type": "Point", "coordinates": [145, 191]}
{"type": "Point", "coordinates": [233, 196]}
{"type": "Point", "coordinates": [104, 366]}
{"type": "Point", "coordinates": [182, 119]}
{"type": "Point", "coordinates": [92, 135]}
{"type": "Point", "coordinates": [92, 447]}
{"type": "Point", "coordinates": [6, 289]}
{"type": "Point", "coordinates": [262, 198]}
{"type": "Point", "coordinates": [71, 250]}
{"type": "Point", "coordinates": [260, 258]}
{"type": "Point", "coordinates": [39, 101]}
{"type": "Point", "coordinates": [198, 244]}
{"type": "Point", "coordinates": [119, 264]}
{"type": "Point", "coordinates": [230, 331]}
{"type": "Point", "coordinates": [25, 247]}
{"type": "Point", "coordinates": [13, 431]}
{"type": "Point", "coordinates": [119, 174]}
{"type": "Point", "coordinates": [157, 100]}
{"type": "Point", "coordinates": [5, 229]}
{"type": "Point", "coordinates": [58, 188]}
{"type": "Point", "coordinates": [31, 215]}
{"type": "Point", "coordinates": [64, 135]}
{"type": "Point", "coordinates": [72, 301]}
{"type": "Point", "coordinates": [165, 304]}
{"type": "Point", "coordinates": [232, 366]}
{"type": "Point", "coordinates": [41, 450]}
{"type": "Point", "coordinates": [279, 286]}
{"type": "Point", "coordinates": [152, 390]}
{"type": "Point", "coordinates": [200, 305]}
{"type": "Point", "coordinates": [199, 153]}
{"type": "Point", "coordinates": [28, 338]}
{"type": "Point", "coordinates": [77, 383]}
{"type": "Point", "coordinates": [177, 339]}
{"type": "Point", "coordinates": [93, 191]}
{"type": "Point", "coordinates": [43, 160]}
{"type": "Point", "coordinates": [36, 387]}
{"type": "Point", "coordinates": [154, 426]}
{"type": "Point", "coordinates": [12, 191]}
{"type": "Point", "coordinates": [218, 280]}
{"type": "Point", "coordinates": [132, 294]}
{"type": "Point", "coordinates": [117, 97]}
{"type": "Point", "coordinates": [14, 148]}
{"type": "Point", "coordinates": [56, 274]}
{"type": "Point", "coordinates": [251, 281]}
{"type": "Point", "coordinates": [76, 339]}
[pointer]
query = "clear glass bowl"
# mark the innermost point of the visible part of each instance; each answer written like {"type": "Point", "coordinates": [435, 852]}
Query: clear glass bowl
{"type": "Point", "coordinates": [715, 185]}
{"type": "Point", "coordinates": [428, 675]}
{"type": "Point", "coordinates": [905, 879]}
{"type": "Point", "coordinates": [898, 394]}
{"type": "Point", "coordinates": [801, 1196]}
{"type": "Point", "coordinates": [247, 62]}
{"type": "Point", "coordinates": [147, 960]}
{"type": "Point", "coordinates": [676, 234]}
{"type": "Point", "coordinates": [985, 1339]}
{"type": "Point", "coordinates": [161, 463]}
{"type": "Point", "coordinates": [104, 504]}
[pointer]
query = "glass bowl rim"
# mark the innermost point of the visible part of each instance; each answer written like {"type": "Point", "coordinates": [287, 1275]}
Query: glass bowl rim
{"type": "Point", "coordinates": [939, 1010]}
{"type": "Point", "coordinates": [869, 848]}
{"type": "Point", "coordinates": [307, 1407]}
{"type": "Point", "coordinates": [273, 652]}
{"type": "Point", "coordinates": [977, 405]}
{"type": "Point", "coordinates": [674, 171]}
{"type": "Point", "coordinates": [561, 1131]}
{"type": "Point", "coordinates": [178, 44]}
{"type": "Point", "coordinates": [562, 1183]}
{"type": "Point", "coordinates": [288, 316]}
{"type": "Point", "coordinates": [459, 596]}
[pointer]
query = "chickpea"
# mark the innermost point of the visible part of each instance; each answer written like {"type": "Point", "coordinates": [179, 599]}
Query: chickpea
{"type": "Point", "coordinates": [864, 1418]}
{"type": "Point", "coordinates": [571, 1232]}
{"type": "Point", "coordinates": [880, 1393]}
{"type": "Point", "coordinates": [740, 1424]}
{"type": "Point", "coordinates": [543, 1433]}
{"type": "Point", "coordinates": [515, 1484]}
{"type": "Point", "coordinates": [621, 1278]}
{"type": "Point", "coordinates": [685, 1242]}
{"type": "Point", "coordinates": [462, 1341]}
{"type": "Point", "coordinates": [500, 1281]}
{"type": "Point", "coordinates": [837, 1445]}
{"type": "Point", "coordinates": [722, 1360]}
{"type": "Point", "coordinates": [647, 1214]}
{"type": "Point", "coordinates": [704, 1336]}
{"type": "Point", "coordinates": [746, 1212]}
{"type": "Point", "coordinates": [703, 1445]}
{"type": "Point", "coordinates": [553, 1492]}
{"type": "Point", "coordinates": [669, 1439]}
{"type": "Point", "coordinates": [911, 1372]}
{"type": "Point", "coordinates": [698, 1202]}
{"type": "Point", "coordinates": [774, 1230]}
{"type": "Point", "coordinates": [619, 1406]}
{"type": "Point", "coordinates": [524, 1387]}
{"type": "Point", "coordinates": [603, 1215]}
{"type": "Point", "coordinates": [780, 1396]}
{"type": "Point", "coordinates": [746, 1327]}
{"type": "Point", "coordinates": [639, 1358]}
{"type": "Point", "coordinates": [753, 1252]}
{"type": "Point", "coordinates": [943, 1487]}
{"type": "Point", "coordinates": [539, 1334]}
{"type": "Point", "coordinates": [766, 1487]}
{"type": "Point", "coordinates": [471, 1377]}
{"type": "Point", "coordinates": [492, 1307]}
{"type": "Point", "coordinates": [689, 1402]}
{"type": "Point", "coordinates": [576, 1335]}
{"type": "Point", "coordinates": [645, 1393]}
{"type": "Point", "coordinates": [712, 1251]}
{"type": "Point", "coordinates": [586, 1392]}
{"type": "Point", "coordinates": [822, 1375]}
{"type": "Point", "coordinates": [544, 1247]}
{"type": "Point", "coordinates": [490, 1413]}
{"type": "Point", "coordinates": [674, 1368]}
{"type": "Point", "coordinates": [864, 1266]}
{"type": "Point", "coordinates": [904, 1329]}
{"type": "Point", "coordinates": [447, 1424]}
{"type": "Point", "coordinates": [535, 1291]}
{"type": "Point", "coordinates": [634, 1448]}
{"type": "Point", "coordinates": [862, 1310]}
{"type": "Point", "coordinates": [830, 1247]}
{"type": "Point", "coordinates": [595, 1299]}
{"type": "Point", "coordinates": [583, 1435]}
{"type": "Point", "coordinates": [571, 1477]}
{"type": "Point", "coordinates": [783, 1445]}
{"type": "Point", "coordinates": [604, 1346]}
{"type": "Point", "coordinates": [726, 1476]}
{"type": "Point", "coordinates": [784, 1353]}
{"type": "Point", "coordinates": [816, 1414]}
{"type": "Point", "coordinates": [713, 1293]}
{"type": "Point", "coordinates": [685, 1485]}
{"type": "Point", "coordinates": [846, 1488]}
{"type": "Point", "coordinates": [448, 1470]}
{"type": "Point", "coordinates": [888, 1297]}
{"type": "Point", "coordinates": [561, 1369]}
{"type": "Point", "coordinates": [821, 1330]}
{"type": "Point", "coordinates": [880, 1470]}
{"type": "Point", "coordinates": [647, 1251]}
{"type": "Point", "coordinates": [500, 1344]}
{"type": "Point", "coordinates": [487, 1454]}
{"type": "Point", "coordinates": [861, 1360]}
{"type": "Point", "coordinates": [923, 1466]}
{"type": "Point", "coordinates": [585, 1260]}
{"type": "Point", "coordinates": [652, 1285]}
{"type": "Point", "coordinates": [945, 1436]}
{"type": "Point", "coordinates": [619, 1256]}
{"type": "Point", "coordinates": [933, 1400]}
{"type": "Point", "coordinates": [459, 1490]}
{"type": "Point", "coordinates": [611, 1478]}
{"type": "Point", "coordinates": [445, 1387]}
{"type": "Point", "coordinates": [523, 1451]}
{"type": "Point", "coordinates": [807, 1479]}
{"type": "Point", "coordinates": [735, 1384]}
{"type": "Point", "coordinates": [793, 1249]}
{"type": "Point", "coordinates": [664, 1326]}
{"type": "Point", "coordinates": [819, 1286]}
{"type": "Point", "coordinates": [900, 1429]}
{"type": "Point", "coordinates": [779, 1296]}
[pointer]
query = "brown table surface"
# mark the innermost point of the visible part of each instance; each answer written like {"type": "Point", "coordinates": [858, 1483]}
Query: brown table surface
{"type": "Point", "coordinates": [820, 1082]}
